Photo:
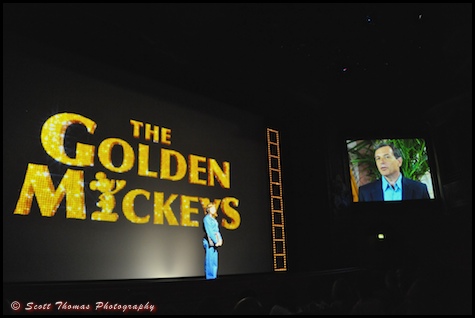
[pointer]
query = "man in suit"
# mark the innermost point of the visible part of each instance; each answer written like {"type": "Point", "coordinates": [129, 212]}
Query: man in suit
{"type": "Point", "coordinates": [392, 186]}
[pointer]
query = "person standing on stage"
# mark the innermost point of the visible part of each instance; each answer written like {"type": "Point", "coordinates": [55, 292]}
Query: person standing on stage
{"type": "Point", "coordinates": [392, 186]}
{"type": "Point", "coordinates": [211, 241]}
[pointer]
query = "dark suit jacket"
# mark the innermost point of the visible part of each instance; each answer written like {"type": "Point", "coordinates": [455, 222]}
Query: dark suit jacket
{"type": "Point", "coordinates": [411, 190]}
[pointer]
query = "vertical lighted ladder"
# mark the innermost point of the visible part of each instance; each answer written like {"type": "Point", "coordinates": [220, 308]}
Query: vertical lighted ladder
{"type": "Point", "coordinates": [277, 207]}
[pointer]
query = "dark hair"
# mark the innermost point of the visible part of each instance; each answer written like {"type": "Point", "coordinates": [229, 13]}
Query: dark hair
{"type": "Point", "coordinates": [397, 153]}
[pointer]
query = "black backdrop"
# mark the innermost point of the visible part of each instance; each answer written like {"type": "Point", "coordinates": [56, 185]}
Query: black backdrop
{"type": "Point", "coordinates": [37, 247]}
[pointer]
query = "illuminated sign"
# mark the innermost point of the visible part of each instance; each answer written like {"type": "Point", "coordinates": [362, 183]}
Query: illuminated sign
{"type": "Point", "coordinates": [174, 166]}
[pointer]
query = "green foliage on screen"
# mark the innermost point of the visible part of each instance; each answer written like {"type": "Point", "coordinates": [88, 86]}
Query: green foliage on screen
{"type": "Point", "coordinates": [414, 154]}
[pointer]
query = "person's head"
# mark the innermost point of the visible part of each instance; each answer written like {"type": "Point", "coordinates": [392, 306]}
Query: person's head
{"type": "Point", "coordinates": [388, 159]}
{"type": "Point", "coordinates": [211, 209]}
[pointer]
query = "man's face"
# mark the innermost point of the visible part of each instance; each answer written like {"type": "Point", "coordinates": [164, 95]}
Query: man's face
{"type": "Point", "coordinates": [387, 164]}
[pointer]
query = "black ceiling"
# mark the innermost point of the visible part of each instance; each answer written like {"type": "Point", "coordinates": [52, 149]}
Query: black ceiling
{"type": "Point", "coordinates": [405, 55]}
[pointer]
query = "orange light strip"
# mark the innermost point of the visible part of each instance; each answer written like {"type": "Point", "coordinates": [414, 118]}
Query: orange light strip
{"type": "Point", "coordinates": [277, 207]}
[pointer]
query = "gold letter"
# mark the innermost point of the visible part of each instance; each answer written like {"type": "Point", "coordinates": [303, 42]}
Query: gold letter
{"type": "Point", "coordinates": [105, 150]}
{"type": "Point", "coordinates": [137, 125]}
{"type": "Point", "coordinates": [165, 165]}
{"type": "Point", "coordinates": [223, 177]}
{"type": "Point", "coordinates": [52, 139]}
{"type": "Point", "coordinates": [160, 209]}
{"type": "Point", "coordinates": [186, 210]}
{"type": "Point", "coordinates": [195, 170]}
{"type": "Point", "coordinates": [38, 182]}
{"type": "Point", "coordinates": [231, 213]}
{"type": "Point", "coordinates": [128, 206]}
{"type": "Point", "coordinates": [166, 135]}
{"type": "Point", "coordinates": [149, 131]}
{"type": "Point", "coordinates": [143, 162]}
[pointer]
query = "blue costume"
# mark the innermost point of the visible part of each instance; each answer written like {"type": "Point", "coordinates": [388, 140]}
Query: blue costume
{"type": "Point", "coordinates": [210, 239]}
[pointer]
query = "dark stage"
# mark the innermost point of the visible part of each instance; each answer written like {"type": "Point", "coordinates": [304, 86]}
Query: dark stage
{"type": "Point", "coordinates": [302, 293]}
